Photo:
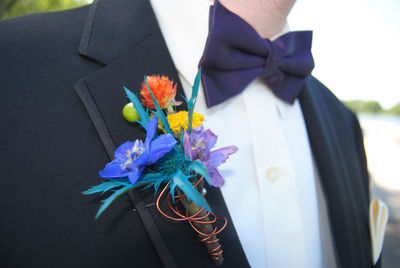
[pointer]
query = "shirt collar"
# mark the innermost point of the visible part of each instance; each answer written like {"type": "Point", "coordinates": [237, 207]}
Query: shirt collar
{"type": "Point", "coordinates": [184, 25]}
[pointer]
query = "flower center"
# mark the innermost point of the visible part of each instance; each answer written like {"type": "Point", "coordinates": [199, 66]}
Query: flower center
{"type": "Point", "coordinates": [133, 154]}
{"type": "Point", "coordinates": [137, 149]}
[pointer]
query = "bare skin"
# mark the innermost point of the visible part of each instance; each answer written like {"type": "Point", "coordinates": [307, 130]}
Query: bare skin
{"type": "Point", "coordinates": [267, 17]}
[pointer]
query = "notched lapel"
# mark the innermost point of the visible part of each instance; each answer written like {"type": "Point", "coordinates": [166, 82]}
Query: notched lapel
{"type": "Point", "coordinates": [331, 137]}
{"type": "Point", "coordinates": [114, 26]}
{"type": "Point", "coordinates": [103, 97]}
{"type": "Point", "coordinates": [106, 85]}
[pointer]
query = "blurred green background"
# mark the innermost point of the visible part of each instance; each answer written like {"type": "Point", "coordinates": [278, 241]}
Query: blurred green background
{"type": "Point", "coordinates": [12, 8]}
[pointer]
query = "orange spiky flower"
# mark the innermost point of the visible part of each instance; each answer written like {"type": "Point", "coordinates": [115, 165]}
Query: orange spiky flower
{"type": "Point", "coordinates": [163, 90]}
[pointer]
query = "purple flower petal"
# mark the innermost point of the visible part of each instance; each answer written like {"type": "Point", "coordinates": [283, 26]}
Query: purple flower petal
{"type": "Point", "coordinates": [210, 137]}
{"type": "Point", "coordinates": [198, 146]}
{"type": "Point", "coordinates": [160, 146]}
{"type": "Point", "coordinates": [219, 156]}
{"type": "Point", "coordinates": [196, 133]}
{"type": "Point", "coordinates": [187, 146]}
{"type": "Point", "coordinates": [216, 179]}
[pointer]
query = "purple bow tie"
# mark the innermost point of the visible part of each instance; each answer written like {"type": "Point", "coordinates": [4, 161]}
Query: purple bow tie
{"type": "Point", "coordinates": [235, 55]}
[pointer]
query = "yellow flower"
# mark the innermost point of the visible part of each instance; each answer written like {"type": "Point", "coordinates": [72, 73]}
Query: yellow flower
{"type": "Point", "coordinates": [181, 120]}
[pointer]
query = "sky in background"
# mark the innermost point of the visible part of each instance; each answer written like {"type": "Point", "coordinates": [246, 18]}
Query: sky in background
{"type": "Point", "coordinates": [356, 46]}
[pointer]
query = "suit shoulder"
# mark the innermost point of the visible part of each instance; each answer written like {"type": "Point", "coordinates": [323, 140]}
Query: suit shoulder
{"type": "Point", "coordinates": [339, 116]}
{"type": "Point", "coordinates": [43, 18]}
{"type": "Point", "coordinates": [326, 96]}
{"type": "Point", "coordinates": [32, 42]}
{"type": "Point", "coordinates": [41, 27]}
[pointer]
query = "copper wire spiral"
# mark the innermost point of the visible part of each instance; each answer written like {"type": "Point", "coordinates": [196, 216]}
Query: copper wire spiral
{"type": "Point", "coordinates": [201, 217]}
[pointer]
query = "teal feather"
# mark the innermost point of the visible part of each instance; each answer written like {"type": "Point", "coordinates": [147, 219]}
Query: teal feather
{"type": "Point", "coordinates": [195, 88]}
{"type": "Point", "coordinates": [152, 176]}
{"type": "Point", "coordinates": [182, 145]}
{"type": "Point", "coordinates": [192, 102]}
{"type": "Point", "coordinates": [104, 187]}
{"type": "Point", "coordinates": [107, 202]}
{"type": "Point", "coordinates": [158, 183]}
{"type": "Point", "coordinates": [144, 125]}
{"type": "Point", "coordinates": [183, 182]}
{"type": "Point", "coordinates": [200, 169]}
{"type": "Point", "coordinates": [154, 179]}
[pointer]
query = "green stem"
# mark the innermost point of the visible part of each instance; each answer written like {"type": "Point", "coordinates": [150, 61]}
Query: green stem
{"type": "Point", "coordinates": [170, 109]}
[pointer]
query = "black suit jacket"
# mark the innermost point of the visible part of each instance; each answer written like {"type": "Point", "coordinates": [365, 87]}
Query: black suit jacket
{"type": "Point", "coordinates": [61, 98]}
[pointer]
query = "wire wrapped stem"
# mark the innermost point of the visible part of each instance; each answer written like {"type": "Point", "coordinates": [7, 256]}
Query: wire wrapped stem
{"type": "Point", "coordinates": [201, 220]}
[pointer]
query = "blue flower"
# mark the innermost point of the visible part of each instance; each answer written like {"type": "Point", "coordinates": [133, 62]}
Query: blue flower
{"type": "Point", "coordinates": [131, 158]}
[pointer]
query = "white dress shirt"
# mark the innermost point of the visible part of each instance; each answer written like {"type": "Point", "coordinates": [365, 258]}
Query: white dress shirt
{"type": "Point", "coordinates": [270, 183]}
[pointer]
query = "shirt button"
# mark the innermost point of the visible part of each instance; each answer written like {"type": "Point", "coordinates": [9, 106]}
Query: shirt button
{"type": "Point", "coordinates": [272, 174]}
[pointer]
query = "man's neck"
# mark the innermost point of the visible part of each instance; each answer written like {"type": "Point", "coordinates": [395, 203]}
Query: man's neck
{"type": "Point", "coordinates": [267, 17]}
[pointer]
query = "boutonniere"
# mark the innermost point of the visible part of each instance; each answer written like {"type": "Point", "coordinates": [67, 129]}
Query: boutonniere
{"type": "Point", "coordinates": [176, 158]}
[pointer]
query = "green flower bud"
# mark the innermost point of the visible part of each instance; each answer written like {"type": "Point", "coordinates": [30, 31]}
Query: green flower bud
{"type": "Point", "coordinates": [130, 113]}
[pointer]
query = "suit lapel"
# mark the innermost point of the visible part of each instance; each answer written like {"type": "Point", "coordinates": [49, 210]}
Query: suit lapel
{"type": "Point", "coordinates": [340, 184]}
{"type": "Point", "coordinates": [113, 38]}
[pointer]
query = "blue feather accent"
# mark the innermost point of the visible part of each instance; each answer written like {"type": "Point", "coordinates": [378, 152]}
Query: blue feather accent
{"type": "Point", "coordinates": [182, 147]}
{"type": "Point", "coordinates": [144, 125]}
{"type": "Point", "coordinates": [182, 181]}
{"type": "Point", "coordinates": [159, 112]}
{"type": "Point", "coordinates": [152, 176]}
{"type": "Point", "coordinates": [200, 169]}
{"type": "Point", "coordinates": [104, 187]}
{"type": "Point", "coordinates": [158, 183]}
{"type": "Point", "coordinates": [195, 88]}
{"type": "Point", "coordinates": [106, 202]}
{"type": "Point", "coordinates": [144, 116]}
{"type": "Point", "coordinates": [154, 179]}
{"type": "Point", "coordinates": [192, 102]}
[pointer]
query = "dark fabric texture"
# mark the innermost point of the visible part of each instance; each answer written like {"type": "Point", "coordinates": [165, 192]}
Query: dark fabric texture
{"type": "Point", "coordinates": [52, 146]}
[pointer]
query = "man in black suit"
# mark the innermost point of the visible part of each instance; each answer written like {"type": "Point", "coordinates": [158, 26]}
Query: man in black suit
{"type": "Point", "coordinates": [61, 98]}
